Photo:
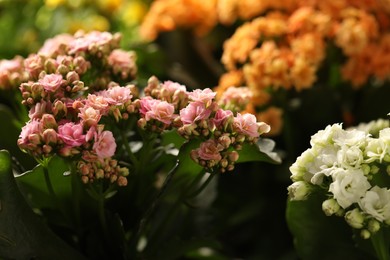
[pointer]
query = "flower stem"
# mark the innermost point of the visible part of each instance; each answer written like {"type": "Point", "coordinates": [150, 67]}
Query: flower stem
{"type": "Point", "coordinates": [101, 212]}
{"type": "Point", "coordinates": [48, 182]}
{"type": "Point", "coordinates": [133, 159]}
{"type": "Point", "coordinates": [380, 245]}
{"type": "Point", "coordinates": [141, 225]}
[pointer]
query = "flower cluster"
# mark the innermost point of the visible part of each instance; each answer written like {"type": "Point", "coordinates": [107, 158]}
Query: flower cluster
{"type": "Point", "coordinates": [196, 115]}
{"type": "Point", "coordinates": [352, 167]}
{"type": "Point", "coordinates": [76, 103]}
{"type": "Point", "coordinates": [285, 43]}
{"type": "Point", "coordinates": [70, 88]}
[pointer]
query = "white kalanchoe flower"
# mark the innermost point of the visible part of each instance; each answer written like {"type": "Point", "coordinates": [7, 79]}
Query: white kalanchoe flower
{"type": "Point", "coordinates": [299, 168]}
{"type": "Point", "coordinates": [355, 218]}
{"type": "Point", "coordinates": [350, 157]}
{"type": "Point", "coordinates": [376, 203]}
{"type": "Point", "coordinates": [330, 207]}
{"type": "Point", "coordinates": [299, 190]}
{"type": "Point", "coordinates": [350, 138]}
{"type": "Point", "coordinates": [323, 164]}
{"type": "Point", "coordinates": [324, 137]}
{"type": "Point", "coordinates": [375, 150]}
{"type": "Point", "coordinates": [373, 127]}
{"type": "Point", "coordinates": [348, 186]}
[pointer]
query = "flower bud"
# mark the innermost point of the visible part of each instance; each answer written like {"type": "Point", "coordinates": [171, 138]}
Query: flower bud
{"type": "Point", "coordinates": [374, 169]}
{"type": "Point", "coordinates": [365, 234]}
{"type": "Point", "coordinates": [299, 190]}
{"type": "Point", "coordinates": [122, 181]}
{"type": "Point", "coordinates": [49, 136]}
{"type": "Point", "coordinates": [224, 163]}
{"type": "Point", "coordinates": [330, 207]}
{"type": "Point", "coordinates": [142, 123]}
{"type": "Point", "coordinates": [263, 128]}
{"type": "Point", "coordinates": [99, 174]}
{"type": "Point", "coordinates": [373, 225]}
{"type": "Point", "coordinates": [355, 218]}
{"type": "Point", "coordinates": [225, 141]}
{"type": "Point", "coordinates": [233, 156]}
{"type": "Point", "coordinates": [72, 76]}
{"type": "Point", "coordinates": [48, 121]}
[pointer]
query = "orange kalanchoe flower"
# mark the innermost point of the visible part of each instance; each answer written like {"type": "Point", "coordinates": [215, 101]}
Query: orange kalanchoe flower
{"type": "Point", "coordinates": [167, 15]}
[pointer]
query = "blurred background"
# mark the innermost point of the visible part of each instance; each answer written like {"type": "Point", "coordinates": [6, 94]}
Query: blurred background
{"type": "Point", "coordinates": [308, 64]}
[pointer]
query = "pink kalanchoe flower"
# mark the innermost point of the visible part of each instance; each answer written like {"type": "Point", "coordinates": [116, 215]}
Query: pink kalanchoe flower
{"type": "Point", "coordinates": [236, 97]}
{"type": "Point", "coordinates": [33, 127]}
{"type": "Point", "coordinates": [221, 117]}
{"type": "Point", "coordinates": [98, 102]}
{"type": "Point", "coordinates": [56, 45]}
{"type": "Point", "coordinates": [71, 134]}
{"type": "Point", "coordinates": [89, 116]}
{"type": "Point", "coordinates": [85, 42]}
{"type": "Point", "coordinates": [104, 145]}
{"type": "Point", "coordinates": [51, 82]}
{"type": "Point", "coordinates": [195, 111]}
{"type": "Point", "coordinates": [204, 96]}
{"type": "Point", "coordinates": [122, 62]}
{"type": "Point", "coordinates": [172, 87]}
{"type": "Point", "coordinates": [209, 150]}
{"type": "Point", "coordinates": [157, 110]}
{"type": "Point", "coordinates": [34, 65]}
{"type": "Point", "coordinates": [117, 95]}
{"type": "Point", "coordinates": [246, 124]}
{"type": "Point", "coordinates": [39, 109]}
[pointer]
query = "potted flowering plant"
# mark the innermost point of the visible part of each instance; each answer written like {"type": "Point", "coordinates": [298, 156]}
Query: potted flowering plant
{"type": "Point", "coordinates": [340, 193]}
{"type": "Point", "coordinates": [116, 161]}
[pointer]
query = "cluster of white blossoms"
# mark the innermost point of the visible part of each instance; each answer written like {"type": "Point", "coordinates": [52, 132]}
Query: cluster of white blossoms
{"type": "Point", "coordinates": [353, 168]}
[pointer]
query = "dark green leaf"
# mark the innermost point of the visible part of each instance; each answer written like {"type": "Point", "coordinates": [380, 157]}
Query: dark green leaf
{"type": "Point", "coordinates": [22, 233]}
{"type": "Point", "coordinates": [9, 133]}
{"type": "Point", "coordinates": [33, 182]}
{"type": "Point", "coordinates": [260, 152]}
{"type": "Point", "coordinates": [317, 236]}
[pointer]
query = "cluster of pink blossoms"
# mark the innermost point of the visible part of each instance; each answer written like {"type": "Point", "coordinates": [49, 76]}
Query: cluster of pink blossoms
{"type": "Point", "coordinates": [197, 115]}
{"type": "Point", "coordinates": [70, 86]}
{"type": "Point", "coordinates": [74, 95]}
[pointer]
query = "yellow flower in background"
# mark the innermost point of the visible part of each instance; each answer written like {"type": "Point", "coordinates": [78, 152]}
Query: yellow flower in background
{"type": "Point", "coordinates": [110, 6]}
{"type": "Point", "coordinates": [133, 12]}
{"type": "Point", "coordinates": [90, 23]}
{"type": "Point", "coordinates": [54, 3]}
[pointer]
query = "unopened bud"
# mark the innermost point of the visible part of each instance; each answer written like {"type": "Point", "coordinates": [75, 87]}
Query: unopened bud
{"type": "Point", "coordinates": [365, 234]}
{"type": "Point", "coordinates": [48, 121]}
{"type": "Point", "coordinates": [355, 218]}
{"type": "Point", "coordinates": [330, 207]}
{"type": "Point", "coordinates": [72, 76]}
{"type": "Point", "coordinates": [122, 181]}
{"type": "Point", "coordinates": [299, 190]}
{"type": "Point", "coordinates": [233, 156]}
{"type": "Point", "coordinates": [142, 123]}
{"type": "Point", "coordinates": [49, 136]}
{"type": "Point", "coordinates": [373, 225]}
{"type": "Point", "coordinates": [99, 174]}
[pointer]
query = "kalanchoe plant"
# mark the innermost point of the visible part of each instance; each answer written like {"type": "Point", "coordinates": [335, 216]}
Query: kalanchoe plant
{"type": "Point", "coordinates": [349, 169]}
{"type": "Point", "coordinates": [88, 120]}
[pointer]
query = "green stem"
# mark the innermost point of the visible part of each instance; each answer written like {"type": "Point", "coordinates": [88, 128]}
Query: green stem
{"type": "Point", "coordinates": [133, 159]}
{"type": "Point", "coordinates": [76, 195]}
{"type": "Point", "coordinates": [202, 187]}
{"type": "Point", "coordinates": [153, 241]}
{"type": "Point", "coordinates": [101, 212]}
{"type": "Point", "coordinates": [48, 182]}
{"type": "Point", "coordinates": [141, 225]}
{"type": "Point", "coordinates": [380, 245]}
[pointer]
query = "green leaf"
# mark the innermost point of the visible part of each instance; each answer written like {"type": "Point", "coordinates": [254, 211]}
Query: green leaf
{"type": "Point", "coordinates": [260, 152]}
{"type": "Point", "coordinates": [186, 164]}
{"type": "Point", "coordinates": [317, 236]}
{"type": "Point", "coordinates": [23, 235]}
{"type": "Point", "coordinates": [34, 184]}
{"type": "Point", "coordinates": [9, 134]}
